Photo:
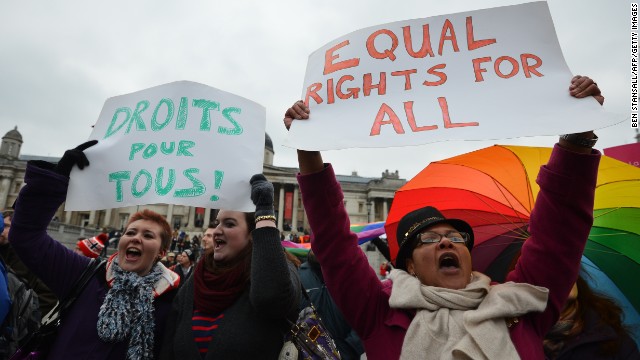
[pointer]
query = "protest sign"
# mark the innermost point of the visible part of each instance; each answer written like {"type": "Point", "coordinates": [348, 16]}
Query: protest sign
{"type": "Point", "coordinates": [486, 74]}
{"type": "Point", "coordinates": [180, 143]}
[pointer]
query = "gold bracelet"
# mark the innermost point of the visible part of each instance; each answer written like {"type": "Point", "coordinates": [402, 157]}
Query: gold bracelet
{"type": "Point", "coordinates": [266, 217]}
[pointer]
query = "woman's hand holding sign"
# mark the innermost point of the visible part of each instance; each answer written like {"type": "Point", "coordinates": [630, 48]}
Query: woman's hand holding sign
{"type": "Point", "coordinates": [309, 161]}
{"type": "Point", "coordinates": [582, 87]}
{"type": "Point", "coordinates": [73, 157]}
{"type": "Point", "coordinates": [297, 111]}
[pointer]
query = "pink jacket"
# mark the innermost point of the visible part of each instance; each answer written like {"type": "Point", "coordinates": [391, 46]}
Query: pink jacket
{"type": "Point", "coordinates": [559, 226]}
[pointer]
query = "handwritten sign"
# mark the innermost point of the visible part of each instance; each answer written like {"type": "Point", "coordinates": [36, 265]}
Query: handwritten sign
{"type": "Point", "coordinates": [180, 143]}
{"type": "Point", "coordinates": [487, 74]}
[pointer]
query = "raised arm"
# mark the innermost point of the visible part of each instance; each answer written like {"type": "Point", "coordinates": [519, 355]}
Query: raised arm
{"type": "Point", "coordinates": [562, 216]}
{"type": "Point", "coordinates": [44, 192]}
{"type": "Point", "coordinates": [275, 287]}
{"type": "Point", "coordinates": [352, 282]}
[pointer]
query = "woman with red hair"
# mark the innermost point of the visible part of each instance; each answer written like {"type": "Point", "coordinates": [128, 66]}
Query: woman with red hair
{"type": "Point", "coordinates": [121, 312]}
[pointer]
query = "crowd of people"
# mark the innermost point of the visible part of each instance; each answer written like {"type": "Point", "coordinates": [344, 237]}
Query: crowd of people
{"type": "Point", "coordinates": [232, 292]}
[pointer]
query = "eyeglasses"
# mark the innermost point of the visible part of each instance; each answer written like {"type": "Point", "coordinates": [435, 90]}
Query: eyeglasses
{"type": "Point", "coordinates": [430, 237]}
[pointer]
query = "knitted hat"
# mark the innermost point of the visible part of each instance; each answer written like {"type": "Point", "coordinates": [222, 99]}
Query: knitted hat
{"type": "Point", "coordinates": [190, 255]}
{"type": "Point", "coordinates": [412, 223]}
{"type": "Point", "coordinates": [93, 247]}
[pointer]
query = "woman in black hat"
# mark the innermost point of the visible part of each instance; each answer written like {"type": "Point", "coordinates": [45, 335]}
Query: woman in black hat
{"type": "Point", "coordinates": [435, 306]}
{"type": "Point", "coordinates": [185, 265]}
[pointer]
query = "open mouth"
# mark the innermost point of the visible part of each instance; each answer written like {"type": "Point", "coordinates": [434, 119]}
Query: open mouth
{"type": "Point", "coordinates": [133, 254]}
{"type": "Point", "coordinates": [218, 244]}
{"type": "Point", "coordinates": [449, 261]}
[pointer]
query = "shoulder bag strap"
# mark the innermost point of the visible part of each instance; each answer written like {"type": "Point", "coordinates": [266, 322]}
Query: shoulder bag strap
{"type": "Point", "coordinates": [88, 273]}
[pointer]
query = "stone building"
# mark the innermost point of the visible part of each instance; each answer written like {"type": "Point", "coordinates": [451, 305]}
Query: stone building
{"type": "Point", "coordinates": [366, 199]}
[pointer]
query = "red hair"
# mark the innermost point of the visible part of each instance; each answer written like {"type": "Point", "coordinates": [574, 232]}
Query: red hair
{"type": "Point", "coordinates": [153, 216]}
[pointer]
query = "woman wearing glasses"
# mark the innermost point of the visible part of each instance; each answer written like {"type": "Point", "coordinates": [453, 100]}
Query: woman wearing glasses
{"type": "Point", "coordinates": [435, 306]}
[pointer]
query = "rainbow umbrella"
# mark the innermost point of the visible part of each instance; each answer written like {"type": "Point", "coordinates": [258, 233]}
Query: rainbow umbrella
{"type": "Point", "coordinates": [367, 231]}
{"type": "Point", "coordinates": [494, 190]}
{"type": "Point", "coordinates": [602, 283]}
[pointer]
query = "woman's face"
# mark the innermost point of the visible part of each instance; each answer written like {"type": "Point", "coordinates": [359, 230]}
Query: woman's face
{"type": "Point", "coordinates": [230, 236]}
{"type": "Point", "coordinates": [140, 247]}
{"type": "Point", "coordinates": [184, 259]}
{"type": "Point", "coordinates": [444, 264]}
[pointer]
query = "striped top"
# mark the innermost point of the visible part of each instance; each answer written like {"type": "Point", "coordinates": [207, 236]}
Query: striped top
{"type": "Point", "coordinates": [203, 326]}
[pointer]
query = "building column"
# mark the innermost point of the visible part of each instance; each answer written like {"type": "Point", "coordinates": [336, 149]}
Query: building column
{"type": "Point", "coordinates": [169, 217]}
{"type": "Point", "coordinates": [207, 218]}
{"type": "Point", "coordinates": [281, 207]}
{"type": "Point", "coordinates": [5, 186]}
{"type": "Point", "coordinates": [192, 217]}
{"type": "Point", "coordinates": [385, 211]}
{"type": "Point", "coordinates": [373, 210]}
{"type": "Point", "coordinates": [92, 218]}
{"type": "Point", "coordinates": [67, 217]}
{"type": "Point", "coordinates": [294, 217]}
{"type": "Point", "coordinates": [107, 218]}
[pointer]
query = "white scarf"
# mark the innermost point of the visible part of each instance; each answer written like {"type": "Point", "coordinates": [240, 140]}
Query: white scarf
{"type": "Point", "coordinates": [462, 324]}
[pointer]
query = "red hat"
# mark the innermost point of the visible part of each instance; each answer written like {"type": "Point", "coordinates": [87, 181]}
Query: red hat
{"type": "Point", "coordinates": [93, 247]}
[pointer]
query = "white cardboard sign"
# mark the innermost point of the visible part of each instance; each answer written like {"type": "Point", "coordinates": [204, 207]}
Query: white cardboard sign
{"type": "Point", "coordinates": [180, 143]}
{"type": "Point", "coordinates": [486, 74]}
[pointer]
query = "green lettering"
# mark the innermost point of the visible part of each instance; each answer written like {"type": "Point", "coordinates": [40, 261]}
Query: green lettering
{"type": "Point", "coordinates": [218, 175]}
{"type": "Point", "coordinates": [140, 107]}
{"type": "Point", "coordinates": [184, 146]}
{"type": "Point", "coordinates": [135, 147]}
{"type": "Point", "coordinates": [160, 190]}
{"type": "Point", "coordinates": [151, 150]}
{"type": "Point", "coordinates": [183, 111]}
{"type": "Point", "coordinates": [197, 189]}
{"type": "Point", "coordinates": [237, 129]}
{"type": "Point", "coordinates": [147, 185]}
{"type": "Point", "coordinates": [119, 177]}
{"type": "Point", "coordinates": [155, 126]}
{"type": "Point", "coordinates": [206, 105]}
{"type": "Point", "coordinates": [167, 147]}
{"type": "Point", "coordinates": [111, 130]}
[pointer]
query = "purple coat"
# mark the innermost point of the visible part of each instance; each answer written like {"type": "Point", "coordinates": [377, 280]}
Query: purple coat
{"type": "Point", "coordinates": [59, 267]}
{"type": "Point", "coordinates": [559, 226]}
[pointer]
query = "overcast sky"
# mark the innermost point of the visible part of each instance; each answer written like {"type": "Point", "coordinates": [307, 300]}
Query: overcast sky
{"type": "Point", "coordinates": [60, 60]}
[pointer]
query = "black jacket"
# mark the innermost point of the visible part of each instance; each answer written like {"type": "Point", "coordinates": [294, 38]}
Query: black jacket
{"type": "Point", "coordinates": [254, 326]}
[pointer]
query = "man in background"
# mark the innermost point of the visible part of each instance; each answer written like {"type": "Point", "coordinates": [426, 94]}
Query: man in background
{"type": "Point", "coordinates": [46, 297]}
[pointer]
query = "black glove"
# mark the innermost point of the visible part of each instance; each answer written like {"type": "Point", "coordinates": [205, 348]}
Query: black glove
{"type": "Point", "coordinates": [262, 195]}
{"type": "Point", "coordinates": [74, 157]}
{"type": "Point", "coordinates": [383, 247]}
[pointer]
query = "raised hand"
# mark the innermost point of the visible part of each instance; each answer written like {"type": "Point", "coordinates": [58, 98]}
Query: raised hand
{"type": "Point", "coordinates": [262, 197]}
{"type": "Point", "coordinates": [297, 111]}
{"type": "Point", "coordinates": [583, 86]}
{"type": "Point", "coordinates": [73, 157]}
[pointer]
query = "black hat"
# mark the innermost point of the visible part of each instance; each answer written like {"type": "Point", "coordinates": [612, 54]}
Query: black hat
{"type": "Point", "coordinates": [413, 222]}
{"type": "Point", "coordinates": [190, 255]}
